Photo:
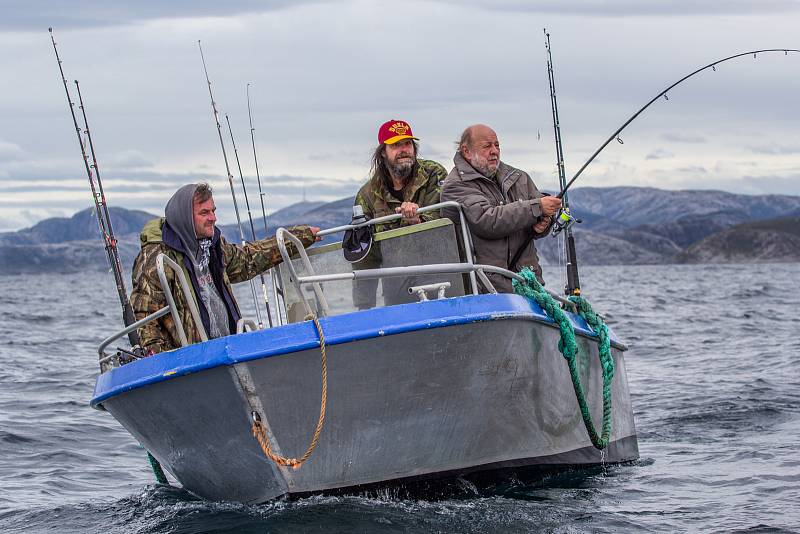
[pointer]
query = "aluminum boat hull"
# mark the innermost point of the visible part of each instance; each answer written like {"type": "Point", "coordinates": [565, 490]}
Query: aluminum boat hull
{"type": "Point", "coordinates": [425, 390]}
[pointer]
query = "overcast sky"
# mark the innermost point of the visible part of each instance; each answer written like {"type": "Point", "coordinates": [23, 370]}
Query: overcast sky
{"type": "Point", "coordinates": [325, 74]}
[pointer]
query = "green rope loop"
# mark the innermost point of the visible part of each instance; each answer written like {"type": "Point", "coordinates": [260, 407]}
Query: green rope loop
{"type": "Point", "coordinates": [161, 478]}
{"type": "Point", "coordinates": [568, 347]}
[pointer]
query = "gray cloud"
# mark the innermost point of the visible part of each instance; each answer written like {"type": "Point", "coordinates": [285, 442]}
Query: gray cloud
{"type": "Point", "coordinates": [748, 184]}
{"type": "Point", "coordinates": [321, 87]}
{"type": "Point", "coordinates": [693, 169]}
{"type": "Point", "coordinates": [660, 153]}
{"type": "Point", "coordinates": [777, 185]}
{"type": "Point", "coordinates": [24, 15]}
{"type": "Point", "coordinates": [129, 159]}
{"type": "Point", "coordinates": [775, 149]}
{"type": "Point", "coordinates": [127, 186]}
{"type": "Point", "coordinates": [10, 152]}
{"type": "Point", "coordinates": [677, 137]}
{"type": "Point", "coordinates": [622, 8]}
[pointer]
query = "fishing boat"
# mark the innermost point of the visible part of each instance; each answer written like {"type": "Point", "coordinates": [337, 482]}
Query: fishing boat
{"type": "Point", "coordinates": [409, 368]}
{"type": "Point", "coordinates": [432, 380]}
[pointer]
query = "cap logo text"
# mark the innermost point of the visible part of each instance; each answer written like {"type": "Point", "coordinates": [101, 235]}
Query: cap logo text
{"type": "Point", "coordinates": [399, 128]}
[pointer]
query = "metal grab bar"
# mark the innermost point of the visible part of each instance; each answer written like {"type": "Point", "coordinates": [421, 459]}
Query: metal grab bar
{"type": "Point", "coordinates": [422, 291]}
{"type": "Point", "coordinates": [466, 237]}
{"type": "Point", "coordinates": [243, 324]}
{"type": "Point", "coordinates": [280, 235]}
{"type": "Point", "coordinates": [435, 268]}
{"type": "Point", "coordinates": [101, 350]}
{"type": "Point", "coordinates": [161, 261]}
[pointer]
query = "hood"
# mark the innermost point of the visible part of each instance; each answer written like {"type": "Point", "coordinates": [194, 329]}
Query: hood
{"type": "Point", "coordinates": [151, 233]}
{"type": "Point", "coordinates": [181, 220]}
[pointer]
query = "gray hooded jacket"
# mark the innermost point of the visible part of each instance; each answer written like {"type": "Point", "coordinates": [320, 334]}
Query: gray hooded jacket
{"type": "Point", "coordinates": [500, 213]}
{"type": "Point", "coordinates": [179, 214]}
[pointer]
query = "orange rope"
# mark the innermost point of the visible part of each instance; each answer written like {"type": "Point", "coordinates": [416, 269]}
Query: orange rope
{"type": "Point", "coordinates": [260, 433]}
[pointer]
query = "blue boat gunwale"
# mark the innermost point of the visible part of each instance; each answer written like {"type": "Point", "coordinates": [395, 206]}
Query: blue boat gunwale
{"type": "Point", "coordinates": [338, 329]}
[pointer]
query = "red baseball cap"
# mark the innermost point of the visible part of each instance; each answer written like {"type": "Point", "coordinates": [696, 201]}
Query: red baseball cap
{"type": "Point", "coordinates": [393, 131]}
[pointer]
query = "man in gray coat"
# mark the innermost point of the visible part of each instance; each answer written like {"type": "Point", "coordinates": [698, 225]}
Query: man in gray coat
{"type": "Point", "coordinates": [504, 210]}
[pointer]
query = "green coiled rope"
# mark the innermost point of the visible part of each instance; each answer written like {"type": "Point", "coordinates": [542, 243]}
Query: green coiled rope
{"type": "Point", "coordinates": [532, 289]}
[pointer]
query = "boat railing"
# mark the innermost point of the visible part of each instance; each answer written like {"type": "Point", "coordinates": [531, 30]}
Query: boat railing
{"type": "Point", "coordinates": [475, 271]}
{"type": "Point", "coordinates": [467, 266]}
{"type": "Point", "coordinates": [466, 237]}
{"type": "Point", "coordinates": [162, 261]}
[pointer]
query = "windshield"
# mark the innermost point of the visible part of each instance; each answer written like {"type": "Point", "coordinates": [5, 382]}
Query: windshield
{"type": "Point", "coordinates": [421, 244]}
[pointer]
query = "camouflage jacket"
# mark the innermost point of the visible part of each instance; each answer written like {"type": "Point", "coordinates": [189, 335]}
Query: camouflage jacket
{"type": "Point", "coordinates": [377, 201]}
{"type": "Point", "coordinates": [229, 264]}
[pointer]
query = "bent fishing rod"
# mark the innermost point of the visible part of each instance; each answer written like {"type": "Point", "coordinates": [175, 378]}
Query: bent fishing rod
{"type": "Point", "coordinates": [230, 176]}
{"type": "Point", "coordinates": [252, 226]}
{"type": "Point", "coordinates": [100, 205]}
{"type": "Point", "coordinates": [664, 94]}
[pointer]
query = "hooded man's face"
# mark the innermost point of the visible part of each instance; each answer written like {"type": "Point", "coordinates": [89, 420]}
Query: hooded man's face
{"type": "Point", "coordinates": [204, 218]}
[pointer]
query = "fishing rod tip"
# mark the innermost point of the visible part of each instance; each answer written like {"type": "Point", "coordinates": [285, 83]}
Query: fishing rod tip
{"type": "Point", "coordinates": [50, 29]}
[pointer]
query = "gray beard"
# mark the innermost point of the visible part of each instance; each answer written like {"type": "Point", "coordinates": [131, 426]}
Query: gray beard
{"type": "Point", "coordinates": [484, 170]}
{"type": "Point", "coordinates": [402, 171]}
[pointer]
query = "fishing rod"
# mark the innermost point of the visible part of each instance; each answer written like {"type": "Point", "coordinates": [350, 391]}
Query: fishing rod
{"type": "Point", "coordinates": [663, 93]}
{"type": "Point", "coordinates": [564, 218]}
{"type": "Point", "coordinates": [228, 170]}
{"type": "Point", "coordinates": [262, 196]}
{"type": "Point", "coordinates": [100, 204]}
{"type": "Point", "coordinates": [252, 226]}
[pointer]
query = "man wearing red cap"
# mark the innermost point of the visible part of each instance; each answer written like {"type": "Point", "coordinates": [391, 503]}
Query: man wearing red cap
{"type": "Point", "coordinates": [400, 182]}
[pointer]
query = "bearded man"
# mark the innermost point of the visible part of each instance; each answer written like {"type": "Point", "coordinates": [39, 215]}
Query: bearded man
{"type": "Point", "coordinates": [504, 210]}
{"type": "Point", "coordinates": [400, 182]}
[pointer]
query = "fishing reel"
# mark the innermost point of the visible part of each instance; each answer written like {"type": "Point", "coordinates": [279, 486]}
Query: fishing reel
{"type": "Point", "coordinates": [563, 221]}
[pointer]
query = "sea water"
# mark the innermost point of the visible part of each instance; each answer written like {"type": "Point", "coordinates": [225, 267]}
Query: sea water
{"type": "Point", "coordinates": [714, 372]}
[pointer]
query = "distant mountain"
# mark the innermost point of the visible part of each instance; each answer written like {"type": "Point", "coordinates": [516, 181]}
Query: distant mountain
{"type": "Point", "coordinates": [288, 216]}
{"type": "Point", "coordinates": [621, 225]}
{"type": "Point", "coordinates": [291, 214]}
{"type": "Point", "coordinates": [647, 206]}
{"type": "Point", "coordinates": [81, 226]}
{"type": "Point", "coordinates": [657, 225]}
{"type": "Point", "coordinates": [70, 257]}
{"type": "Point", "coordinates": [775, 240]}
{"type": "Point", "coordinates": [597, 248]}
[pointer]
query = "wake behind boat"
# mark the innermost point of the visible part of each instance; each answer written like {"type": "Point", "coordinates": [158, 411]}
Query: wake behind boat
{"type": "Point", "coordinates": [434, 381]}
